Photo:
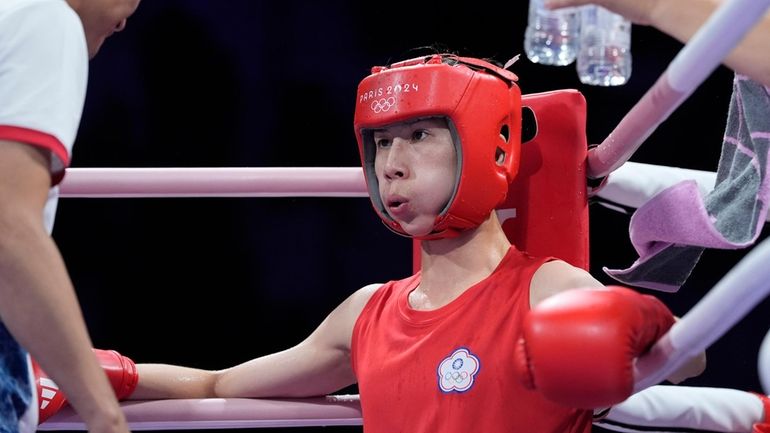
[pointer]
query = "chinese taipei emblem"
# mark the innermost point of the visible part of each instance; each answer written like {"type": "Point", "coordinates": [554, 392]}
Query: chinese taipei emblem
{"type": "Point", "coordinates": [457, 372]}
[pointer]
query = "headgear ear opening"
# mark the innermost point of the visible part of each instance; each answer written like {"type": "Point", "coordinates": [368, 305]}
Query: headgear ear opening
{"type": "Point", "coordinates": [483, 105]}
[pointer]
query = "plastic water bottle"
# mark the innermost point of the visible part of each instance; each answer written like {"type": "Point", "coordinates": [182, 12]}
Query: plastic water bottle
{"type": "Point", "coordinates": [604, 58]}
{"type": "Point", "coordinates": [551, 37]}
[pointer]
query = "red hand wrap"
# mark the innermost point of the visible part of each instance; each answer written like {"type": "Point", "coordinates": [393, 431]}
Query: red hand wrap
{"type": "Point", "coordinates": [578, 347]}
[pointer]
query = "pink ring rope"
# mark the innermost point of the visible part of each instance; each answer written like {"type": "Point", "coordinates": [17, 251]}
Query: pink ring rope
{"type": "Point", "coordinates": [215, 182]}
{"type": "Point", "coordinates": [211, 413]}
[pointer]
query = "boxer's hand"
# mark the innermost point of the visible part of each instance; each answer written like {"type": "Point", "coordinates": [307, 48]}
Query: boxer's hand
{"type": "Point", "coordinates": [578, 347]}
{"type": "Point", "coordinates": [120, 370]}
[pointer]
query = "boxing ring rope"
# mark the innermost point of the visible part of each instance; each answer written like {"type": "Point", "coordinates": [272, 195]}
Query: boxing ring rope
{"type": "Point", "coordinates": [214, 182]}
{"type": "Point", "coordinates": [763, 364]}
{"type": "Point", "coordinates": [694, 63]}
{"type": "Point", "coordinates": [631, 185]}
{"type": "Point", "coordinates": [226, 413]}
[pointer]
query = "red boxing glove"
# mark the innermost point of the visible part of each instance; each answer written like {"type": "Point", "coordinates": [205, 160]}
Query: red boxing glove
{"type": "Point", "coordinates": [50, 398]}
{"type": "Point", "coordinates": [578, 347]}
{"type": "Point", "coordinates": [120, 370]}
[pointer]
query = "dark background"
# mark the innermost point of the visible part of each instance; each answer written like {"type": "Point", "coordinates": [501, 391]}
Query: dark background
{"type": "Point", "coordinates": [210, 282]}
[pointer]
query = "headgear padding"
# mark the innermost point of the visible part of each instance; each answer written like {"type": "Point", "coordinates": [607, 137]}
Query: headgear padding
{"type": "Point", "coordinates": [482, 105]}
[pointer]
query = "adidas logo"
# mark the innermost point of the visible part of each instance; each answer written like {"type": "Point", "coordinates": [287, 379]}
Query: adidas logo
{"type": "Point", "coordinates": [48, 390]}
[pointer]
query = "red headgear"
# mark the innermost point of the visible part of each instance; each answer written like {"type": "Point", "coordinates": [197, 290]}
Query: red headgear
{"type": "Point", "coordinates": [482, 105]}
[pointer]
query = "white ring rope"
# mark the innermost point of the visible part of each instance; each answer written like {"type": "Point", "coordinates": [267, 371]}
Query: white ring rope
{"type": "Point", "coordinates": [712, 43]}
{"type": "Point", "coordinates": [215, 182]}
{"type": "Point", "coordinates": [763, 364]}
{"type": "Point", "coordinates": [747, 284]}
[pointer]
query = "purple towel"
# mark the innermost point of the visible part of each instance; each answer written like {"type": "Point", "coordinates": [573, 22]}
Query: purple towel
{"type": "Point", "coordinates": [670, 231]}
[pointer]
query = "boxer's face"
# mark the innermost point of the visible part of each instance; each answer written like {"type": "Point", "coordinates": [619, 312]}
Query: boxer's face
{"type": "Point", "coordinates": [102, 18]}
{"type": "Point", "coordinates": [415, 164]}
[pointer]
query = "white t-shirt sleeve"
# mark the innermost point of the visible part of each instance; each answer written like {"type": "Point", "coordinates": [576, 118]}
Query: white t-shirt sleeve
{"type": "Point", "coordinates": [43, 76]}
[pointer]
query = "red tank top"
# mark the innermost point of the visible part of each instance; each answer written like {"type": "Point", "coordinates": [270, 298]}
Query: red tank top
{"type": "Point", "coordinates": [450, 369]}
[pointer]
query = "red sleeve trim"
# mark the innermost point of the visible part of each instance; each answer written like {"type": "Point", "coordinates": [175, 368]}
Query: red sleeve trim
{"type": "Point", "coordinates": [39, 139]}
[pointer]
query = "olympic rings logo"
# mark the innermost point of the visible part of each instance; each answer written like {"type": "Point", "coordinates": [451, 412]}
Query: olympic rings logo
{"type": "Point", "coordinates": [383, 105]}
{"type": "Point", "coordinates": [456, 376]}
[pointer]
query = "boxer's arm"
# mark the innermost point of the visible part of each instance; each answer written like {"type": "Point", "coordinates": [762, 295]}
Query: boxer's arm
{"type": "Point", "coordinates": [555, 277]}
{"type": "Point", "coordinates": [317, 366]}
